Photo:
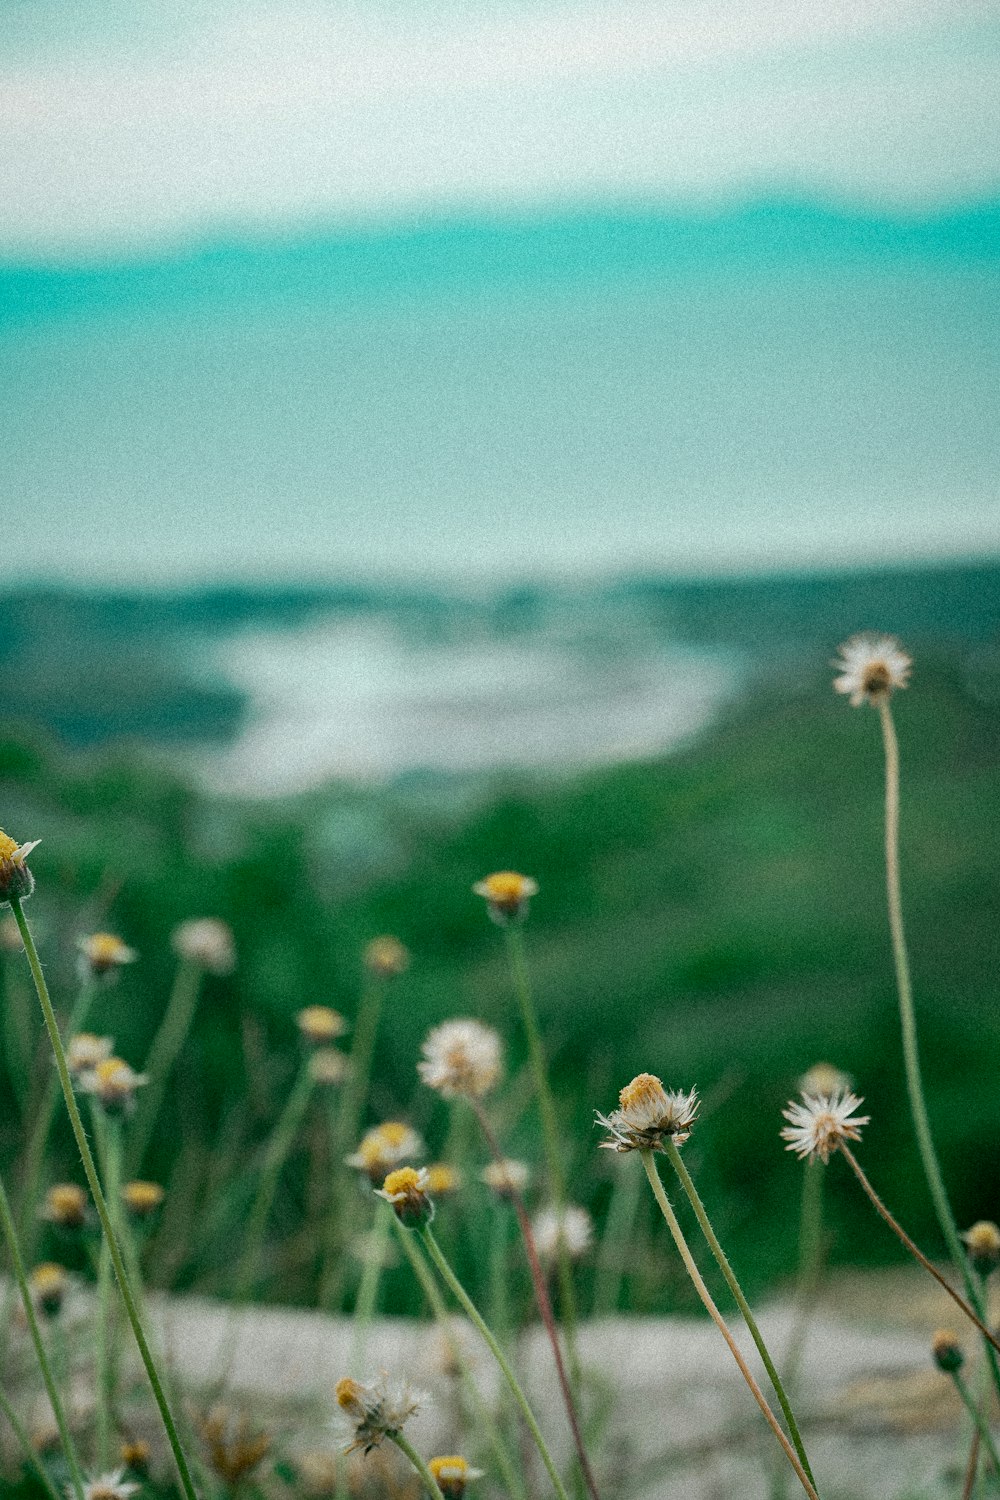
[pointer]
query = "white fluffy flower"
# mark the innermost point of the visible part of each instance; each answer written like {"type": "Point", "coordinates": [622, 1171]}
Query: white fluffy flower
{"type": "Point", "coordinates": [571, 1229]}
{"type": "Point", "coordinates": [375, 1411]}
{"type": "Point", "coordinates": [817, 1126]}
{"type": "Point", "coordinates": [507, 1177]}
{"type": "Point", "coordinates": [647, 1114]}
{"type": "Point", "coordinates": [870, 666]}
{"type": "Point", "coordinates": [461, 1059]}
{"type": "Point", "coordinates": [207, 942]}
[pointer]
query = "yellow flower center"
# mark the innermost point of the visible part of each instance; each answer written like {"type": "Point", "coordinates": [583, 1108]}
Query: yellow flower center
{"type": "Point", "coordinates": [404, 1180]}
{"type": "Point", "coordinates": [348, 1393]}
{"type": "Point", "coordinates": [66, 1203]}
{"type": "Point", "coordinates": [983, 1238]}
{"type": "Point", "coordinates": [48, 1279]}
{"type": "Point", "coordinates": [392, 1134]}
{"type": "Point", "coordinates": [506, 887]}
{"type": "Point", "coordinates": [7, 846]}
{"type": "Point", "coordinates": [103, 949]}
{"type": "Point", "coordinates": [441, 1179]}
{"type": "Point", "coordinates": [450, 1466]}
{"type": "Point", "coordinates": [643, 1091]}
{"type": "Point", "coordinates": [142, 1197]}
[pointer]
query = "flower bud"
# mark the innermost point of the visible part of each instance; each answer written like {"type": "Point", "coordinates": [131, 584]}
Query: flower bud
{"type": "Point", "coordinates": [16, 880]}
{"type": "Point", "coordinates": [49, 1284]}
{"type": "Point", "coordinates": [386, 958]}
{"type": "Point", "coordinates": [947, 1351]}
{"type": "Point", "coordinates": [983, 1244]}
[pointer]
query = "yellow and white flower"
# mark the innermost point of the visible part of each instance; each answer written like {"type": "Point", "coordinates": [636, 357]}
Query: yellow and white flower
{"type": "Point", "coordinates": [386, 957]}
{"type": "Point", "coordinates": [649, 1114]}
{"type": "Point", "coordinates": [384, 1147]}
{"type": "Point", "coordinates": [111, 1486]}
{"type": "Point", "coordinates": [507, 895]}
{"type": "Point", "coordinates": [453, 1474]}
{"type": "Point", "coordinates": [817, 1126]}
{"type": "Point", "coordinates": [206, 942]}
{"type": "Point", "coordinates": [507, 1177]}
{"type": "Point", "coordinates": [320, 1024]}
{"type": "Point", "coordinates": [16, 880]}
{"type": "Point", "coordinates": [102, 954]}
{"type": "Point", "coordinates": [870, 666]}
{"type": "Point", "coordinates": [113, 1083]}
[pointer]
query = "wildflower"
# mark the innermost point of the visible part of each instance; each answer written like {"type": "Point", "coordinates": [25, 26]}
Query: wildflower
{"type": "Point", "coordinates": [207, 942]}
{"type": "Point", "coordinates": [65, 1205]}
{"type": "Point", "coordinates": [134, 1454]}
{"type": "Point", "coordinates": [406, 1190]}
{"type": "Point", "coordinates": [106, 1487]}
{"type": "Point", "coordinates": [327, 1066]}
{"type": "Point", "coordinates": [16, 880]}
{"type": "Point", "coordinates": [870, 666]}
{"type": "Point", "coordinates": [85, 1051]}
{"type": "Point", "coordinates": [816, 1127]}
{"type": "Point", "coordinates": [386, 957]}
{"type": "Point", "coordinates": [508, 1178]}
{"type": "Point", "coordinates": [233, 1446]}
{"type": "Point", "coordinates": [113, 1083]}
{"type": "Point", "coordinates": [983, 1244]}
{"type": "Point", "coordinates": [142, 1199]}
{"type": "Point", "coordinates": [569, 1230]}
{"type": "Point", "coordinates": [453, 1474]}
{"type": "Point", "coordinates": [384, 1147]}
{"type": "Point", "coordinates": [102, 953]}
{"type": "Point", "coordinates": [461, 1059]}
{"type": "Point", "coordinates": [10, 935]}
{"type": "Point", "coordinates": [507, 895]}
{"type": "Point", "coordinates": [49, 1285]}
{"type": "Point", "coordinates": [376, 1411]}
{"type": "Point", "coordinates": [649, 1113]}
{"type": "Point", "coordinates": [320, 1024]}
{"type": "Point", "coordinates": [947, 1351]}
{"type": "Point", "coordinates": [442, 1179]}
{"type": "Point", "coordinates": [823, 1080]}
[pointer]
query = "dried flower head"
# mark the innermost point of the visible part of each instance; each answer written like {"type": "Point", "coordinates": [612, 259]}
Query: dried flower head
{"type": "Point", "coordinates": [384, 1147]}
{"type": "Point", "coordinates": [85, 1051]}
{"type": "Point", "coordinates": [823, 1080]}
{"type": "Point", "coordinates": [816, 1127]}
{"type": "Point", "coordinates": [113, 1083]}
{"type": "Point", "coordinates": [453, 1474]}
{"type": "Point", "coordinates": [386, 957]}
{"type": "Point", "coordinates": [375, 1411]}
{"type": "Point", "coordinates": [16, 880]}
{"type": "Point", "coordinates": [10, 935]}
{"type": "Point", "coordinates": [320, 1024]}
{"type": "Point", "coordinates": [102, 954]}
{"type": "Point", "coordinates": [233, 1444]}
{"type": "Point", "coordinates": [65, 1205]}
{"type": "Point", "coordinates": [870, 666]}
{"type": "Point", "coordinates": [442, 1180]}
{"type": "Point", "coordinates": [111, 1486]}
{"type": "Point", "coordinates": [142, 1199]}
{"type": "Point", "coordinates": [648, 1114]}
{"type": "Point", "coordinates": [406, 1190]}
{"type": "Point", "coordinates": [135, 1455]}
{"type": "Point", "coordinates": [207, 942]}
{"type": "Point", "coordinates": [461, 1059]}
{"type": "Point", "coordinates": [983, 1244]}
{"type": "Point", "coordinates": [49, 1284]}
{"type": "Point", "coordinates": [507, 1178]}
{"type": "Point", "coordinates": [568, 1231]}
{"type": "Point", "coordinates": [507, 895]}
{"type": "Point", "coordinates": [327, 1066]}
{"type": "Point", "coordinates": [947, 1351]}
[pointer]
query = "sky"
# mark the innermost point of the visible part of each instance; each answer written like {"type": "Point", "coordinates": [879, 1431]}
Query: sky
{"type": "Point", "coordinates": [129, 127]}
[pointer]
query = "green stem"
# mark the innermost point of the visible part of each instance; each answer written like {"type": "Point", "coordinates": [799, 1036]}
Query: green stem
{"type": "Point", "coordinates": [430, 1483]}
{"type": "Point", "coordinates": [484, 1422]}
{"type": "Point", "coordinates": [469, 1308]}
{"type": "Point", "coordinates": [711, 1238]}
{"type": "Point", "coordinates": [30, 1455]}
{"type": "Point", "coordinates": [20, 1275]}
{"type": "Point", "coordinates": [616, 1244]}
{"type": "Point", "coordinates": [276, 1154]}
{"type": "Point", "coordinates": [371, 1276]}
{"type": "Point", "coordinates": [163, 1054]}
{"type": "Point", "coordinates": [19, 1043]}
{"type": "Point", "coordinates": [100, 1203]}
{"type": "Point", "coordinates": [706, 1297]}
{"type": "Point", "coordinates": [108, 1142]}
{"type": "Point", "coordinates": [982, 1426]}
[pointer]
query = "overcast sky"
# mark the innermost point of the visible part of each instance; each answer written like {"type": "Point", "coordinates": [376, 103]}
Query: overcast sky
{"type": "Point", "coordinates": [133, 125]}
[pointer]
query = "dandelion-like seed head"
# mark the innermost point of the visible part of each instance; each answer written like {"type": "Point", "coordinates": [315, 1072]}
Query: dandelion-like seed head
{"type": "Point", "coordinates": [569, 1230]}
{"type": "Point", "coordinates": [982, 1242]}
{"type": "Point", "coordinates": [111, 1486]}
{"type": "Point", "coordinates": [947, 1351]}
{"type": "Point", "coordinates": [320, 1024]}
{"type": "Point", "coordinates": [384, 1147]}
{"type": "Point", "coordinates": [386, 957]}
{"type": "Point", "coordinates": [822, 1080]}
{"type": "Point", "coordinates": [102, 954]}
{"type": "Point", "coordinates": [870, 667]}
{"type": "Point", "coordinates": [327, 1066]}
{"type": "Point", "coordinates": [113, 1083]}
{"type": "Point", "coordinates": [233, 1445]}
{"type": "Point", "coordinates": [507, 895]}
{"type": "Point", "coordinates": [442, 1180]}
{"type": "Point", "coordinates": [49, 1284]}
{"type": "Point", "coordinates": [85, 1051]}
{"type": "Point", "coordinates": [16, 880]}
{"type": "Point", "coordinates": [817, 1126]}
{"type": "Point", "coordinates": [142, 1199]}
{"type": "Point", "coordinates": [461, 1059]}
{"type": "Point", "coordinates": [507, 1177]}
{"type": "Point", "coordinates": [65, 1205]}
{"type": "Point", "coordinates": [206, 942]}
{"type": "Point", "coordinates": [648, 1115]}
{"type": "Point", "coordinates": [453, 1474]}
{"type": "Point", "coordinates": [375, 1411]}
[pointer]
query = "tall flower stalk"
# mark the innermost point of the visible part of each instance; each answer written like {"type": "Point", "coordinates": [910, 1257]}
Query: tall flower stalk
{"type": "Point", "coordinates": [276, 1153]}
{"type": "Point", "coordinates": [163, 1054]}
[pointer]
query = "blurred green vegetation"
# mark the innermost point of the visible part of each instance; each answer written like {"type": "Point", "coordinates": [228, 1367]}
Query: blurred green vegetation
{"type": "Point", "coordinates": [717, 918]}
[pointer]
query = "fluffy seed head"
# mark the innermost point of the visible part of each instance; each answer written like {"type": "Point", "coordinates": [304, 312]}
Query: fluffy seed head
{"type": "Point", "coordinates": [375, 1411]}
{"type": "Point", "coordinates": [66, 1205]}
{"type": "Point", "coordinates": [571, 1230]}
{"type": "Point", "coordinates": [384, 1147]}
{"type": "Point", "coordinates": [649, 1114]}
{"type": "Point", "coordinates": [207, 942]}
{"type": "Point", "coordinates": [823, 1080]}
{"type": "Point", "coordinates": [49, 1285]}
{"type": "Point", "coordinates": [870, 666]}
{"type": "Point", "coordinates": [101, 954]}
{"type": "Point", "coordinates": [106, 1487]}
{"type": "Point", "coordinates": [983, 1244]}
{"type": "Point", "coordinates": [461, 1059]}
{"type": "Point", "coordinates": [142, 1199]}
{"type": "Point", "coordinates": [947, 1351]}
{"type": "Point", "coordinates": [453, 1474]}
{"type": "Point", "coordinates": [507, 895]}
{"type": "Point", "coordinates": [816, 1127]}
{"type": "Point", "coordinates": [507, 1177]}
{"type": "Point", "coordinates": [320, 1024]}
{"type": "Point", "coordinates": [386, 957]}
{"type": "Point", "coordinates": [113, 1083]}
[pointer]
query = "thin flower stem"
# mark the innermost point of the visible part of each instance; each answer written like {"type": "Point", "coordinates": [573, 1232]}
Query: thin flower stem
{"type": "Point", "coordinates": [982, 1426]}
{"type": "Point", "coordinates": [484, 1420]}
{"type": "Point", "coordinates": [689, 1265]}
{"type": "Point", "coordinates": [972, 1467]}
{"type": "Point", "coordinates": [51, 1389]}
{"type": "Point", "coordinates": [275, 1155]}
{"type": "Point", "coordinates": [100, 1203]}
{"type": "Point", "coordinates": [616, 1243]}
{"type": "Point", "coordinates": [430, 1483]}
{"type": "Point", "coordinates": [687, 1184]}
{"type": "Point", "coordinates": [163, 1054]}
{"type": "Point", "coordinates": [108, 1142]}
{"type": "Point", "coordinates": [30, 1455]}
{"type": "Point", "coordinates": [468, 1306]}
{"type": "Point", "coordinates": [367, 1301]}
{"type": "Point", "coordinates": [544, 1303]}
{"type": "Point", "coordinates": [39, 1138]}
{"type": "Point", "coordinates": [914, 1250]}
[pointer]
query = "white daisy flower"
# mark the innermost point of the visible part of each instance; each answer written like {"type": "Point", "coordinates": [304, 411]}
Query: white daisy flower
{"type": "Point", "coordinates": [870, 666]}
{"type": "Point", "coordinates": [817, 1126]}
{"type": "Point", "coordinates": [106, 1487]}
{"type": "Point", "coordinates": [384, 1147]}
{"type": "Point", "coordinates": [113, 1083]}
{"type": "Point", "coordinates": [571, 1230]}
{"type": "Point", "coordinates": [461, 1059]}
{"type": "Point", "coordinates": [648, 1113]}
